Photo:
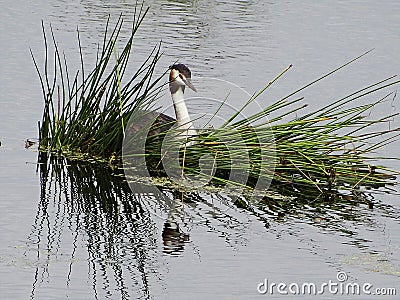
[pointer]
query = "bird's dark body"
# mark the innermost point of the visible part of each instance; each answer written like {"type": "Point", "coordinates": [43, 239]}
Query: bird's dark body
{"type": "Point", "coordinates": [152, 122]}
{"type": "Point", "coordinates": [148, 130]}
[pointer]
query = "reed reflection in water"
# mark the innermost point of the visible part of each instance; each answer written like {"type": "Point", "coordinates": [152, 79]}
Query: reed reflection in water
{"type": "Point", "coordinates": [88, 214]}
{"type": "Point", "coordinates": [89, 218]}
{"type": "Point", "coordinates": [92, 227]}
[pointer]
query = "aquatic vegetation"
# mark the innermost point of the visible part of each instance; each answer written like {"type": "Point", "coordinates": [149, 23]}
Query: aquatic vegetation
{"type": "Point", "coordinates": [86, 115]}
{"type": "Point", "coordinates": [86, 112]}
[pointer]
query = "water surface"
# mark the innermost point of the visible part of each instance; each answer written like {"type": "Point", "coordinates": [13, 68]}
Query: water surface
{"type": "Point", "coordinates": [70, 231]}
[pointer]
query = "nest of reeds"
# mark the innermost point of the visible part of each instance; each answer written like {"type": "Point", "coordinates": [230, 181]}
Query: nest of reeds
{"type": "Point", "coordinates": [86, 116]}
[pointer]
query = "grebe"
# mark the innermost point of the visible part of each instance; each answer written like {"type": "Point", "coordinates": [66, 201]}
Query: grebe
{"type": "Point", "coordinates": [179, 77]}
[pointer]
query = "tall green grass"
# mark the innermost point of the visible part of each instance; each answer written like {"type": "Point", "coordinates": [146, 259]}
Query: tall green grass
{"type": "Point", "coordinates": [86, 112]}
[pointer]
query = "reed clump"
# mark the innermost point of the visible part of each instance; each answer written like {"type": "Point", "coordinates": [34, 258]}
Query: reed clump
{"type": "Point", "coordinates": [85, 113]}
{"type": "Point", "coordinates": [85, 116]}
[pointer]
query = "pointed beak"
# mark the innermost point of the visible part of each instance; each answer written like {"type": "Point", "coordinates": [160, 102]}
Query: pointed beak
{"type": "Point", "coordinates": [188, 82]}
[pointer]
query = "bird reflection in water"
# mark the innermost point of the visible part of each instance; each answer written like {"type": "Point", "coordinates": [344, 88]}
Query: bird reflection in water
{"type": "Point", "coordinates": [174, 238]}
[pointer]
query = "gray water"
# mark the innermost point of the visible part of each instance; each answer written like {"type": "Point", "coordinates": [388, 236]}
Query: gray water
{"type": "Point", "coordinates": [77, 233]}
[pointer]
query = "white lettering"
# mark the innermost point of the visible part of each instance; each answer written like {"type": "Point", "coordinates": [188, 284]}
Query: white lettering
{"type": "Point", "coordinates": [355, 288]}
{"type": "Point", "coordinates": [366, 288]}
{"type": "Point", "coordinates": [311, 288]}
{"type": "Point", "coordinates": [333, 287]}
{"type": "Point", "coordinates": [262, 287]}
{"type": "Point", "coordinates": [322, 290]}
{"type": "Point", "coordinates": [294, 288]}
{"type": "Point", "coordinates": [281, 288]}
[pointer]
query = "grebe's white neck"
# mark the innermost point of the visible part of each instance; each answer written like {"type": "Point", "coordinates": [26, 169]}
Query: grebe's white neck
{"type": "Point", "coordinates": [179, 78]}
{"type": "Point", "coordinates": [183, 120]}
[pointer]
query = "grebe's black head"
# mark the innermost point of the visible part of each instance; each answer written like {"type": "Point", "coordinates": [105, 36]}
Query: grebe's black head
{"type": "Point", "coordinates": [180, 76]}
